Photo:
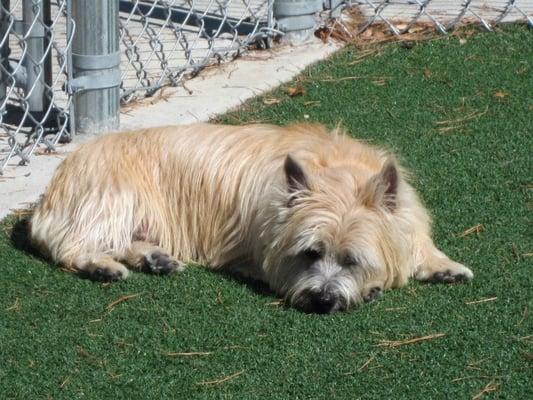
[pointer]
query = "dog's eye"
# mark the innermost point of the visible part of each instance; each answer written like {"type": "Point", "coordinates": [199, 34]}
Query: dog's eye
{"type": "Point", "coordinates": [350, 261]}
{"type": "Point", "coordinates": [312, 254]}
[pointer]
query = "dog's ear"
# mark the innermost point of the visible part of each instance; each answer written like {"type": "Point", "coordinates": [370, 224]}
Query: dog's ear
{"type": "Point", "coordinates": [295, 175]}
{"type": "Point", "coordinates": [382, 189]}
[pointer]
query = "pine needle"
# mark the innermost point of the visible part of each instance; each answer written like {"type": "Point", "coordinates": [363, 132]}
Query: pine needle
{"type": "Point", "coordinates": [481, 300]}
{"type": "Point", "coordinates": [468, 117]}
{"type": "Point", "coordinates": [222, 380]}
{"type": "Point", "coordinates": [474, 229]}
{"type": "Point", "coordinates": [398, 343]}
{"type": "Point", "coordinates": [14, 306]}
{"type": "Point", "coordinates": [490, 387]}
{"type": "Point", "coordinates": [121, 299]}
{"type": "Point", "coordinates": [367, 362]}
{"type": "Point", "coordinates": [189, 354]}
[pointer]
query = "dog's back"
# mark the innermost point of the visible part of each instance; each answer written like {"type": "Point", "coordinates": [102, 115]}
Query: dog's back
{"type": "Point", "coordinates": [187, 188]}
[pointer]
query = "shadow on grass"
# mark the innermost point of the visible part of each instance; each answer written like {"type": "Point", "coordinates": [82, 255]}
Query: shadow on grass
{"type": "Point", "coordinates": [20, 239]}
{"type": "Point", "coordinates": [20, 236]}
{"type": "Point", "coordinates": [256, 286]}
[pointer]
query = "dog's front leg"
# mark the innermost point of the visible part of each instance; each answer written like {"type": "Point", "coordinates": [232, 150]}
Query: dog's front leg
{"type": "Point", "coordinates": [434, 266]}
{"type": "Point", "coordinates": [372, 291]}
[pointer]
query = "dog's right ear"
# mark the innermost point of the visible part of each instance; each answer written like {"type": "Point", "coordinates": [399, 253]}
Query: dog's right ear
{"type": "Point", "coordinates": [295, 175]}
{"type": "Point", "coordinates": [382, 189]}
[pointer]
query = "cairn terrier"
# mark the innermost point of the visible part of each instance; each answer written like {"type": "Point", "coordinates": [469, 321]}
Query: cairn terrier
{"type": "Point", "coordinates": [325, 220]}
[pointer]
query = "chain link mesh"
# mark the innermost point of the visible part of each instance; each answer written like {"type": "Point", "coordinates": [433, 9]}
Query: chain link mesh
{"type": "Point", "coordinates": [401, 15]}
{"type": "Point", "coordinates": [33, 62]}
{"type": "Point", "coordinates": [165, 40]}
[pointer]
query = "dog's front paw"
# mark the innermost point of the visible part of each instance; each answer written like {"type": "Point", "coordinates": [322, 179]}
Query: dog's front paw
{"type": "Point", "coordinates": [446, 271]}
{"type": "Point", "coordinates": [160, 263]}
{"type": "Point", "coordinates": [372, 293]}
{"type": "Point", "coordinates": [449, 276]}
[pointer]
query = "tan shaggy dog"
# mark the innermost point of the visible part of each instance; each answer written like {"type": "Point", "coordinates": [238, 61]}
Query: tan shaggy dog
{"type": "Point", "coordinates": [325, 220]}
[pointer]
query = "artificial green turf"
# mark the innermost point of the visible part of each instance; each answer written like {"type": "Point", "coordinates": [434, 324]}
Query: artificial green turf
{"type": "Point", "coordinates": [57, 340]}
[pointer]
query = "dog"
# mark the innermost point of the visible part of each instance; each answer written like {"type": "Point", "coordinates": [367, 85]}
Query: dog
{"type": "Point", "coordinates": [327, 221]}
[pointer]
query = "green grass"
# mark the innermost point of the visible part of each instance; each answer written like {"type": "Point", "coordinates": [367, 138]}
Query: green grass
{"type": "Point", "coordinates": [58, 340]}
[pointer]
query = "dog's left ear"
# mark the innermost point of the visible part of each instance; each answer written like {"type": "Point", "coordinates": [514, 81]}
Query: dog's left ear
{"type": "Point", "coordinates": [295, 176]}
{"type": "Point", "coordinates": [382, 189]}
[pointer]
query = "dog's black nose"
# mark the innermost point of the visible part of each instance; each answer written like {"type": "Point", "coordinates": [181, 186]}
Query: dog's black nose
{"type": "Point", "coordinates": [323, 302]}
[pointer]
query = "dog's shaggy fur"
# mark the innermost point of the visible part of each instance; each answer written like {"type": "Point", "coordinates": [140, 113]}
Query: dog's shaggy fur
{"type": "Point", "coordinates": [325, 220]}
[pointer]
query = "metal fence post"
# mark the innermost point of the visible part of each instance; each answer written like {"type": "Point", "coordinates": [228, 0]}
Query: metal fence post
{"type": "Point", "coordinates": [33, 17]}
{"type": "Point", "coordinates": [96, 65]}
{"type": "Point", "coordinates": [4, 51]}
{"type": "Point", "coordinates": [297, 18]}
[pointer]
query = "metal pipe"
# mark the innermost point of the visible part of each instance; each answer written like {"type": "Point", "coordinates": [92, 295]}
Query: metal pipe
{"type": "Point", "coordinates": [297, 18]}
{"type": "Point", "coordinates": [33, 21]}
{"type": "Point", "coordinates": [47, 62]}
{"type": "Point", "coordinates": [96, 65]}
{"type": "Point", "coordinates": [4, 50]}
{"type": "Point", "coordinates": [70, 75]}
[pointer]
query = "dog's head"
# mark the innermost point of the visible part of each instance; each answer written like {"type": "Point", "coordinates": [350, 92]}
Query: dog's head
{"type": "Point", "coordinates": [336, 234]}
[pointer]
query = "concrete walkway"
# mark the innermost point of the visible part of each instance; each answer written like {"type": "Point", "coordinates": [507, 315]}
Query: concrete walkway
{"type": "Point", "coordinates": [214, 92]}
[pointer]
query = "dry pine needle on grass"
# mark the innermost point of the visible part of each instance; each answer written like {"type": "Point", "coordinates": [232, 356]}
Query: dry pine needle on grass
{"type": "Point", "coordinates": [397, 343]}
{"type": "Point", "coordinates": [221, 380]}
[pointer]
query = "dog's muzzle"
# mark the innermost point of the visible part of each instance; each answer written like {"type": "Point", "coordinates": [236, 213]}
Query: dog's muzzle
{"type": "Point", "coordinates": [323, 302]}
{"type": "Point", "coordinates": [318, 302]}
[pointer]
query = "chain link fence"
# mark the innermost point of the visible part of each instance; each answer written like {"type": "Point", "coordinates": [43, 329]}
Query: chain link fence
{"type": "Point", "coordinates": [53, 75]}
{"type": "Point", "coordinates": [164, 41]}
{"type": "Point", "coordinates": [401, 15]}
{"type": "Point", "coordinates": [33, 66]}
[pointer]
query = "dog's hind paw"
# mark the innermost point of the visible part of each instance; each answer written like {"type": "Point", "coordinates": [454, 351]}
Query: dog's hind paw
{"type": "Point", "coordinates": [104, 270]}
{"type": "Point", "coordinates": [106, 275]}
{"type": "Point", "coordinates": [160, 263]}
{"type": "Point", "coordinates": [372, 294]}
